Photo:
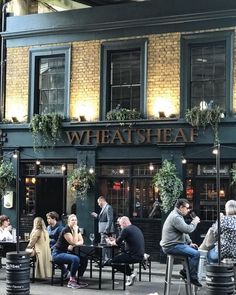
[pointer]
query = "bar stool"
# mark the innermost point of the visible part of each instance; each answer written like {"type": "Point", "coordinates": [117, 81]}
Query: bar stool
{"type": "Point", "coordinates": [168, 276]}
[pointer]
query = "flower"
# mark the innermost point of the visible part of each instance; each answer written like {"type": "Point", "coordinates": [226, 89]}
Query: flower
{"type": "Point", "coordinates": [7, 175]}
{"type": "Point", "coordinates": [80, 181]}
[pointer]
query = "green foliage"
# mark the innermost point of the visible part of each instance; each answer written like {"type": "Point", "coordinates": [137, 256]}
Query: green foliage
{"type": "Point", "coordinates": [201, 118]}
{"type": "Point", "coordinates": [121, 114]}
{"type": "Point", "coordinates": [169, 185]}
{"type": "Point", "coordinates": [7, 175]}
{"type": "Point", "coordinates": [233, 171]}
{"type": "Point", "coordinates": [46, 130]}
{"type": "Point", "coordinates": [80, 181]}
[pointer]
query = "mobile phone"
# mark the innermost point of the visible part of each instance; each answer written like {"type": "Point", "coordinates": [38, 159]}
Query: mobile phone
{"type": "Point", "coordinates": [192, 214]}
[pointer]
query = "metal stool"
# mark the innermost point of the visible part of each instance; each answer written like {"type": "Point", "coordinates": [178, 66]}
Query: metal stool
{"type": "Point", "coordinates": [169, 269]}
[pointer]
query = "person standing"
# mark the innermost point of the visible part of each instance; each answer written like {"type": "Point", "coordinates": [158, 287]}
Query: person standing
{"type": "Point", "coordinates": [105, 219]}
{"type": "Point", "coordinates": [176, 240]}
{"type": "Point", "coordinates": [133, 251]}
{"type": "Point", "coordinates": [53, 228]}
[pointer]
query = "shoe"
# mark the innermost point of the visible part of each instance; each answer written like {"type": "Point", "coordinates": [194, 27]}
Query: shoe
{"type": "Point", "coordinates": [131, 279]}
{"type": "Point", "coordinates": [66, 275]}
{"type": "Point", "coordinates": [83, 284]}
{"type": "Point", "coordinates": [195, 282]}
{"type": "Point", "coordinates": [73, 285]}
{"type": "Point", "coordinates": [183, 274]}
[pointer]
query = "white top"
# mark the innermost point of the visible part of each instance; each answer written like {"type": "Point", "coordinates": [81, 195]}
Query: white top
{"type": "Point", "coordinates": [5, 235]}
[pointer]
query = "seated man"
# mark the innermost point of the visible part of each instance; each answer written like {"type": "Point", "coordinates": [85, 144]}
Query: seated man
{"type": "Point", "coordinates": [176, 239]}
{"type": "Point", "coordinates": [133, 239]}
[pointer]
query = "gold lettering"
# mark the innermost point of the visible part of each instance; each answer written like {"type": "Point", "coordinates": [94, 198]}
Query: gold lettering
{"type": "Point", "coordinates": [118, 137]}
{"type": "Point", "coordinates": [150, 135]}
{"type": "Point", "coordinates": [129, 135]}
{"type": "Point", "coordinates": [180, 136]}
{"type": "Point", "coordinates": [166, 135]}
{"type": "Point", "coordinates": [75, 137]}
{"type": "Point", "coordinates": [105, 138]}
{"type": "Point", "coordinates": [193, 134]}
{"type": "Point", "coordinates": [90, 136]}
{"type": "Point", "coordinates": [140, 136]}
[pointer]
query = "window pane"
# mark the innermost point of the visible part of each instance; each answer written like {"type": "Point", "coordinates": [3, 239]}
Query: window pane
{"type": "Point", "coordinates": [125, 79]}
{"type": "Point", "coordinates": [208, 74]}
{"type": "Point", "coordinates": [51, 84]}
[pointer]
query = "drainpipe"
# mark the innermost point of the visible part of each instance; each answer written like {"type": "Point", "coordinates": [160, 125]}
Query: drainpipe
{"type": "Point", "coordinates": [3, 62]}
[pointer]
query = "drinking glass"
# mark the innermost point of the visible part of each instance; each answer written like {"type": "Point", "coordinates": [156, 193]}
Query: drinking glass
{"type": "Point", "coordinates": [91, 237]}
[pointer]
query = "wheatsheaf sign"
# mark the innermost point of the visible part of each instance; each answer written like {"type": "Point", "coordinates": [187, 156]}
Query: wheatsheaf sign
{"type": "Point", "coordinates": [132, 136]}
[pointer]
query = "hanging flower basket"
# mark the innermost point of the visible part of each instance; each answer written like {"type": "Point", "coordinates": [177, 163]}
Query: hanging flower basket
{"type": "Point", "coordinates": [80, 181]}
{"type": "Point", "coordinates": [7, 176]}
{"type": "Point", "coordinates": [169, 185]}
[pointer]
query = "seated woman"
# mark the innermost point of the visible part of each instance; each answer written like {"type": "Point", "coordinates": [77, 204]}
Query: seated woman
{"type": "Point", "coordinates": [5, 228]}
{"type": "Point", "coordinates": [62, 254]}
{"type": "Point", "coordinates": [39, 246]}
{"type": "Point", "coordinates": [227, 235]}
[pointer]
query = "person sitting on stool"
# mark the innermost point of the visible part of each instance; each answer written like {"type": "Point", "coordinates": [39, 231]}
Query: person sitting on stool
{"type": "Point", "coordinates": [176, 240]}
{"type": "Point", "coordinates": [133, 238]}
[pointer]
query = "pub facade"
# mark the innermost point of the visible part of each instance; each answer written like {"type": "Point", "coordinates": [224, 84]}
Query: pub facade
{"type": "Point", "coordinates": [156, 58]}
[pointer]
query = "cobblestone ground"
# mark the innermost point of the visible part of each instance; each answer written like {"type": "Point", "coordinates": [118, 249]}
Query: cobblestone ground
{"type": "Point", "coordinates": [139, 288]}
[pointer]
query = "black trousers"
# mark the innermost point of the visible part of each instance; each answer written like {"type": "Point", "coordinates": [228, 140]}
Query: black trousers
{"type": "Point", "coordinates": [125, 258]}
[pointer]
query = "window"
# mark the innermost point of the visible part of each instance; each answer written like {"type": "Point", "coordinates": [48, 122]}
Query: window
{"type": "Point", "coordinates": [124, 74]}
{"type": "Point", "coordinates": [130, 191]}
{"type": "Point", "coordinates": [49, 81]}
{"type": "Point", "coordinates": [206, 70]}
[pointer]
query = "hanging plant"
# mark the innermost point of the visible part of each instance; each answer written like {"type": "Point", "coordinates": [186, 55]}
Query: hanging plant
{"type": "Point", "coordinates": [80, 181]}
{"type": "Point", "coordinates": [169, 185]}
{"type": "Point", "coordinates": [198, 117]}
{"type": "Point", "coordinates": [7, 175]}
{"type": "Point", "coordinates": [121, 114]}
{"type": "Point", "coordinates": [46, 130]}
{"type": "Point", "coordinates": [233, 172]}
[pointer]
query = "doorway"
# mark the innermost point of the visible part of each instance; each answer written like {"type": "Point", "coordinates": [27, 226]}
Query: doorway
{"type": "Point", "coordinates": [49, 196]}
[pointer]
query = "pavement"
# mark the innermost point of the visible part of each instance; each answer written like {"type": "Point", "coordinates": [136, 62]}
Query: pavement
{"type": "Point", "coordinates": [43, 287]}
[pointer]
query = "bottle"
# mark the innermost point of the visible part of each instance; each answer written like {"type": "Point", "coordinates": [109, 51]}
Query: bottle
{"type": "Point", "coordinates": [14, 234]}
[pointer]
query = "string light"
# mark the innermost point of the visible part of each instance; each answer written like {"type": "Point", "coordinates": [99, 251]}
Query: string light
{"type": "Point", "coordinates": [91, 170]}
{"type": "Point", "coordinates": [184, 161]}
{"type": "Point", "coordinates": [151, 167]}
{"type": "Point", "coordinates": [38, 162]}
{"type": "Point", "coordinates": [121, 171]}
{"type": "Point", "coordinates": [15, 155]}
{"type": "Point", "coordinates": [63, 167]}
{"type": "Point", "coordinates": [215, 151]}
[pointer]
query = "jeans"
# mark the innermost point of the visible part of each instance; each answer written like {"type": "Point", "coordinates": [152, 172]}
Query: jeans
{"type": "Point", "coordinates": [192, 254]}
{"type": "Point", "coordinates": [212, 255]}
{"type": "Point", "coordinates": [67, 258]}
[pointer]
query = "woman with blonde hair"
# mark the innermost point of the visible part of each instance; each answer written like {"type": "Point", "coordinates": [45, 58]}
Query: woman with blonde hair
{"type": "Point", "coordinates": [62, 252]}
{"type": "Point", "coordinates": [39, 246]}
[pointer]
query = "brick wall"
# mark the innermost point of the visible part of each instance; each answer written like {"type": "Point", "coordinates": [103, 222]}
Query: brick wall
{"type": "Point", "coordinates": [163, 77]}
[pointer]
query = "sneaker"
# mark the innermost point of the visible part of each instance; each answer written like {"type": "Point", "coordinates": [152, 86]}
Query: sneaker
{"type": "Point", "coordinates": [195, 282]}
{"type": "Point", "coordinates": [73, 285]}
{"type": "Point", "coordinates": [83, 284]}
{"type": "Point", "coordinates": [131, 279]}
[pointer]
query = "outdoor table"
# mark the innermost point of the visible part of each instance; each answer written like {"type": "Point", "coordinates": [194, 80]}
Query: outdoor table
{"type": "Point", "coordinates": [9, 246]}
{"type": "Point", "coordinates": [95, 254]}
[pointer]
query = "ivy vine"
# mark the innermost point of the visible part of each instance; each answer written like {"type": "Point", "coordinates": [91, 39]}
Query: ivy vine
{"type": "Point", "coordinates": [46, 130]}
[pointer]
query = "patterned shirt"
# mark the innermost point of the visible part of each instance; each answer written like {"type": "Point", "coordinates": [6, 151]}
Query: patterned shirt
{"type": "Point", "coordinates": [228, 236]}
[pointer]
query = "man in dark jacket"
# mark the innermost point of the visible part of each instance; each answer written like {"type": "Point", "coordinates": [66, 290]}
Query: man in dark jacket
{"type": "Point", "coordinates": [133, 251]}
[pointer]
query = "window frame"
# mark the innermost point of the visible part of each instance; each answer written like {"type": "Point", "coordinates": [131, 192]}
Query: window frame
{"type": "Point", "coordinates": [185, 70]}
{"type": "Point", "coordinates": [106, 49]}
{"type": "Point", "coordinates": [34, 55]}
